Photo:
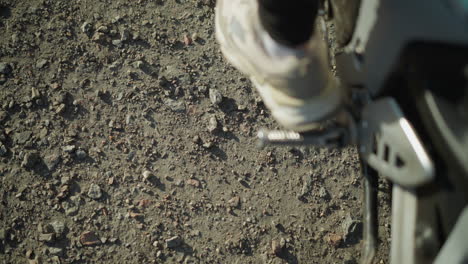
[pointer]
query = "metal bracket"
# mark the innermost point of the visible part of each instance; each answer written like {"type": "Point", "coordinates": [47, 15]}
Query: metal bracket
{"type": "Point", "coordinates": [390, 145]}
{"type": "Point", "coordinates": [325, 138]}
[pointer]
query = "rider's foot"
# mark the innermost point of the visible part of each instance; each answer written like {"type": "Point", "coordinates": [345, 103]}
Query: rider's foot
{"type": "Point", "coordinates": [295, 84]}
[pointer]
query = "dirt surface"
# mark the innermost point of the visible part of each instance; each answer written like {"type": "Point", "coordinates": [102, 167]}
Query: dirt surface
{"type": "Point", "coordinates": [125, 137]}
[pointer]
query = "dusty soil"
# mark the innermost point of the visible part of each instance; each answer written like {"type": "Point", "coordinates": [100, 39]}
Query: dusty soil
{"type": "Point", "coordinates": [112, 151]}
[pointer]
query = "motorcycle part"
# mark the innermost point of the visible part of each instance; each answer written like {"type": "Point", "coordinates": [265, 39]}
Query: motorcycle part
{"type": "Point", "coordinates": [385, 28]}
{"type": "Point", "coordinates": [370, 215]}
{"type": "Point", "coordinates": [455, 250]}
{"type": "Point", "coordinates": [326, 138]}
{"type": "Point", "coordinates": [391, 147]}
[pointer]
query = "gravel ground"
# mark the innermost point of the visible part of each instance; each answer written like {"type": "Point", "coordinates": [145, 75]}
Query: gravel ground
{"type": "Point", "coordinates": [125, 137]}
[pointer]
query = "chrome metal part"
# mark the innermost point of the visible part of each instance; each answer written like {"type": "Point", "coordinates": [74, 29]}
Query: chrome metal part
{"type": "Point", "coordinates": [328, 138]}
{"type": "Point", "coordinates": [390, 145]}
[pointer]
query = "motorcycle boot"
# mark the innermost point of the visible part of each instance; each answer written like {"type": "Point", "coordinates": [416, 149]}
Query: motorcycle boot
{"type": "Point", "coordinates": [295, 84]}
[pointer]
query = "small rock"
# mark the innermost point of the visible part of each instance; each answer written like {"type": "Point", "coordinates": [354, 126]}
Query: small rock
{"type": "Point", "coordinates": [147, 175]}
{"type": "Point", "coordinates": [234, 201]}
{"type": "Point", "coordinates": [306, 185]}
{"type": "Point", "coordinates": [35, 93]}
{"type": "Point", "coordinates": [350, 227]}
{"type": "Point", "coordinates": [173, 242]}
{"type": "Point", "coordinates": [46, 237]}
{"type": "Point", "coordinates": [144, 203]}
{"type": "Point", "coordinates": [30, 160]}
{"type": "Point", "coordinates": [29, 254]}
{"type": "Point", "coordinates": [334, 239]}
{"type": "Point", "coordinates": [103, 29]}
{"type": "Point", "coordinates": [3, 150]}
{"type": "Point", "coordinates": [195, 233]}
{"type": "Point", "coordinates": [94, 191]}
{"type": "Point", "coordinates": [124, 35]}
{"type": "Point", "coordinates": [71, 211]}
{"type": "Point", "coordinates": [58, 227]}
{"type": "Point", "coordinates": [89, 238]}
{"type": "Point", "coordinates": [138, 64]}
{"type": "Point", "coordinates": [55, 251]}
{"type": "Point", "coordinates": [176, 106]}
{"type": "Point", "coordinates": [187, 40]}
{"type": "Point", "coordinates": [128, 119]}
{"type": "Point", "coordinates": [323, 193]}
{"type": "Point", "coordinates": [213, 124]}
{"type": "Point", "coordinates": [86, 28]}
{"type": "Point", "coordinates": [69, 148]}
{"type": "Point", "coordinates": [159, 254]}
{"type": "Point", "coordinates": [51, 161]}
{"type": "Point", "coordinates": [215, 96]}
{"type": "Point", "coordinates": [194, 183]}
{"type": "Point", "coordinates": [117, 42]}
{"type": "Point", "coordinates": [81, 154]}
{"type": "Point", "coordinates": [276, 247]}
{"type": "Point", "coordinates": [5, 68]}
{"type": "Point", "coordinates": [99, 37]}
{"type": "Point", "coordinates": [23, 137]}
{"type": "Point", "coordinates": [208, 145]}
{"type": "Point", "coordinates": [60, 109]}
{"type": "Point", "coordinates": [114, 66]}
{"type": "Point", "coordinates": [41, 63]}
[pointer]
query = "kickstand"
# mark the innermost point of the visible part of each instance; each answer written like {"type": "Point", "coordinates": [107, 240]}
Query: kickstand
{"type": "Point", "coordinates": [370, 215]}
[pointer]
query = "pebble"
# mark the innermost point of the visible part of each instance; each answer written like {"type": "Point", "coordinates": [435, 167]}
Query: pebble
{"type": "Point", "coordinates": [51, 161]}
{"type": "Point", "coordinates": [147, 175]}
{"type": "Point", "coordinates": [69, 148]}
{"type": "Point", "coordinates": [86, 28]}
{"type": "Point", "coordinates": [334, 239]}
{"type": "Point", "coordinates": [58, 227]}
{"type": "Point", "coordinates": [55, 251]}
{"type": "Point", "coordinates": [117, 43]}
{"type": "Point", "coordinates": [213, 124]}
{"type": "Point", "coordinates": [5, 68]}
{"type": "Point", "coordinates": [323, 193]}
{"type": "Point", "coordinates": [159, 254]}
{"type": "Point", "coordinates": [46, 237]}
{"type": "Point", "coordinates": [173, 242]}
{"type": "Point", "coordinates": [128, 119]}
{"type": "Point", "coordinates": [71, 211]}
{"type": "Point", "coordinates": [124, 35]}
{"type": "Point", "coordinates": [187, 40]}
{"type": "Point", "coordinates": [306, 185]}
{"type": "Point", "coordinates": [41, 63]}
{"type": "Point", "coordinates": [22, 137]}
{"type": "Point", "coordinates": [194, 183]}
{"type": "Point", "coordinates": [60, 109]}
{"type": "Point", "coordinates": [176, 106]}
{"type": "Point", "coordinates": [234, 201]}
{"type": "Point", "coordinates": [94, 191]}
{"type": "Point", "coordinates": [3, 150]}
{"type": "Point", "coordinates": [30, 160]}
{"type": "Point", "coordinates": [277, 247]}
{"type": "Point", "coordinates": [81, 154]}
{"type": "Point", "coordinates": [215, 96]}
{"type": "Point", "coordinates": [89, 238]}
{"type": "Point", "coordinates": [350, 226]}
{"type": "Point", "coordinates": [138, 64]}
{"type": "Point", "coordinates": [103, 29]}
